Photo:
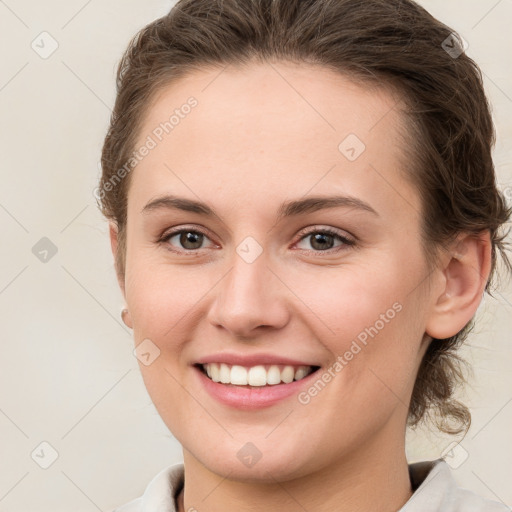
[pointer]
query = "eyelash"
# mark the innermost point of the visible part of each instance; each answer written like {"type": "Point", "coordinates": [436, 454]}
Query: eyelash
{"type": "Point", "coordinates": [303, 235]}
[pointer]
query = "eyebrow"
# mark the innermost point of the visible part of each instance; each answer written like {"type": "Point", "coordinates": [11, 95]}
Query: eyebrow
{"type": "Point", "coordinates": [287, 209]}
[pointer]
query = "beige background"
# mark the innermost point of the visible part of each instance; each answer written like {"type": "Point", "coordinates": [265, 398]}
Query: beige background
{"type": "Point", "coordinates": [68, 375]}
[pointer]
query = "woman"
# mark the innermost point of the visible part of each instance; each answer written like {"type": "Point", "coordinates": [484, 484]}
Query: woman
{"type": "Point", "coordinates": [304, 219]}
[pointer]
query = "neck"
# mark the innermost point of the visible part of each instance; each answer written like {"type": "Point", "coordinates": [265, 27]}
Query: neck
{"type": "Point", "coordinates": [373, 478]}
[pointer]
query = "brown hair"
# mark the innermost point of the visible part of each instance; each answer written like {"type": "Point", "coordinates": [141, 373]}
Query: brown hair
{"type": "Point", "coordinates": [387, 43]}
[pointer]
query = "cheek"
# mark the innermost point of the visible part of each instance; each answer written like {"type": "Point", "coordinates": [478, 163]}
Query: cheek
{"type": "Point", "coordinates": [163, 298]}
{"type": "Point", "coordinates": [347, 299]}
{"type": "Point", "coordinates": [369, 317]}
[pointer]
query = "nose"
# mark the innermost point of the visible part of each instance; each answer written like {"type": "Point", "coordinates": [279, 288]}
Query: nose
{"type": "Point", "coordinates": [249, 298]}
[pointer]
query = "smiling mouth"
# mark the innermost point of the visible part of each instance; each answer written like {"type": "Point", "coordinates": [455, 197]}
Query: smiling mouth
{"type": "Point", "coordinates": [255, 376]}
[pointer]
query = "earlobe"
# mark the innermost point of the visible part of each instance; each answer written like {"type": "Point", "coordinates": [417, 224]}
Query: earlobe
{"type": "Point", "coordinates": [465, 276]}
{"type": "Point", "coordinates": [127, 320]}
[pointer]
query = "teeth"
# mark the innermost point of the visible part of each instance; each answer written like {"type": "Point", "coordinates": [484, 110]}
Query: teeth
{"type": "Point", "coordinates": [259, 375]}
{"type": "Point", "coordinates": [273, 375]}
{"type": "Point", "coordinates": [238, 375]}
{"type": "Point", "coordinates": [288, 374]}
{"type": "Point", "coordinates": [225, 373]}
{"type": "Point", "coordinates": [256, 376]}
{"type": "Point", "coordinates": [301, 373]}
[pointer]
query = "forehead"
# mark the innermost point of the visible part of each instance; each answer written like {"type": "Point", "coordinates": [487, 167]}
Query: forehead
{"type": "Point", "coordinates": [270, 124]}
{"type": "Point", "coordinates": [275, 96]}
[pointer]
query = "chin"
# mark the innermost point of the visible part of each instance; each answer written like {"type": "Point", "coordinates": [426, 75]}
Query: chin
{"type": "Point", "coordinates": [266, 470]}
{"type": "Point", "coordinates": [243, 462]}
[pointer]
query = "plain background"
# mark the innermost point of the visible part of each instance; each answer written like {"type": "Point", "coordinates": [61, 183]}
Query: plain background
{"type": "Point", "coordinates": [68, 374]}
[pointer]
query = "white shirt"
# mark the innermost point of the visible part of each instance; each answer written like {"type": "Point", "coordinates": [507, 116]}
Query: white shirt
{"type": "Point", "coordinates": [434, 487]}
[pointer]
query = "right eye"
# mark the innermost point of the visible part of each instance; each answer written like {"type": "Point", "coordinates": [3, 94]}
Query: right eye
{"type": "Point", "coordinates": [190, 240]}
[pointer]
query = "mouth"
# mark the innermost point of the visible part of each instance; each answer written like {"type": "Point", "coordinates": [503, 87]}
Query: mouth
{"type": "Point", "coordinates": [257, 376]}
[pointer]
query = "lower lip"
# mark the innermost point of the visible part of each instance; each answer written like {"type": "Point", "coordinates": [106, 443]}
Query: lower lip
{"type": "Point", "coordinates": [249, 398]}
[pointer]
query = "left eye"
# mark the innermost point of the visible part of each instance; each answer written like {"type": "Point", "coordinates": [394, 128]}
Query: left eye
{"type": "Point", "coordinates": [323, 240]}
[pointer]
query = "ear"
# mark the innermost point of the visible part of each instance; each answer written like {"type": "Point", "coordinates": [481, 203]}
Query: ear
{"type": "Point", "coordinates": [464, 277]}
{"type": "Point", "coordinates": [114, 244]}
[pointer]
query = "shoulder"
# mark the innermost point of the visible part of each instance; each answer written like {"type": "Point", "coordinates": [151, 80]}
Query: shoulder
{"type": "Point", "coordinates": [160, 492]}
{"type": "Point", "coordinates": [471, 502]}
{"type": "Point", "coordinates": [435, 490]}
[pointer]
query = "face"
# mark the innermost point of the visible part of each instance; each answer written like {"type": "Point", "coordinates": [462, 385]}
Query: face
{"type": "Point", "coordinates": [277, 267]}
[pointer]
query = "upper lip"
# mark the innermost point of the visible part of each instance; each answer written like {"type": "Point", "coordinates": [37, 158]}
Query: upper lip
{"type": "Point", "coordinates": [252, 360]}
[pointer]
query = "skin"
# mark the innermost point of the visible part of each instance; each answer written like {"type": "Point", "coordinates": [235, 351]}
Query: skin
{"type": "Point", "coordinates": [253, 142]}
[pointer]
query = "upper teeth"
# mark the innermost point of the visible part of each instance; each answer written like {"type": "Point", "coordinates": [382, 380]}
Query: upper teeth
{"type": "Point", "coordinates": [255, 375]}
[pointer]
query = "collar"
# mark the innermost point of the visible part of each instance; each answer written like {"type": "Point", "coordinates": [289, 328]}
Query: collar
{"type": "Point", "coordinates": [433, 485]}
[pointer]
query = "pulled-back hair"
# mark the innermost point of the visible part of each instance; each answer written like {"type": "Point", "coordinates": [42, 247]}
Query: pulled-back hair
{"type": "Point", "coordinates": [393, 44]}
